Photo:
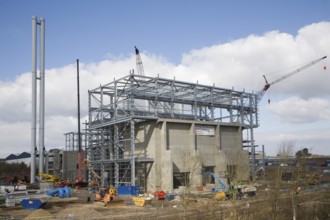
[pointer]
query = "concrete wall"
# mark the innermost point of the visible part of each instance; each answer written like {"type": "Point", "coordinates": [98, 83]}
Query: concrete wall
{"type": "Point", "coordinates": [232, 153]}
{"type": "Point", "coordinates": [176, 148]}
{"type": "Point", "coordinates": [70, 161]}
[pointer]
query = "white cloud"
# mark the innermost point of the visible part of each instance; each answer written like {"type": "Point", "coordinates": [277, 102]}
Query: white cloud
{"type": "Point", "coordinates": [316, 140]}
{"type": "Point", "coordinates": [15, 137]}
{"type": "Point", "coordinates": [57, 126]}
{"type": "Point", "coordinates": [297, 110]}
{"type": "Point", "coordinates": [15, 99]}
{"type": "Point", "coordinates": [239, 63]}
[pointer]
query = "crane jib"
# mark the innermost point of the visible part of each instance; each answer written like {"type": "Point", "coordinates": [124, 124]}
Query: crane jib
{"type": "Point", "coordinates": [267, 85]}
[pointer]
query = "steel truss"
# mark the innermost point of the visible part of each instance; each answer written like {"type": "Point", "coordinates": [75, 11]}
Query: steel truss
{"type": "Point", "coordinates": [71, 141]}
{"type": "Point", "coordinates": [116, 107]}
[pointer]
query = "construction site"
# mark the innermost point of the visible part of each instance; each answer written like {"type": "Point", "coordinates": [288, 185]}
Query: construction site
{"type": "Point", "coordinates": [143, 128]}
{"type": "Point", "coordinates": [160, 134]}
{"type": "Point", "coordinates": [154, 148]}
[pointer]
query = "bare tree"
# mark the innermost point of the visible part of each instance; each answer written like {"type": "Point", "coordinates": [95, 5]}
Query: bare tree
{"type": "Point", "coordinates": [282, 172]}
{"type": "Point", "coordinates": [274, 193]}
{"type": "Point", "coordinates": [286, 148]}
{"type": "Point", "coordinates": [191, 168]}
{"type": "Point", "coordinates": [236, 177]}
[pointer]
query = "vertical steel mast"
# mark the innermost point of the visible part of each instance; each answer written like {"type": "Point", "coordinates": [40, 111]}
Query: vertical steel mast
{"type": "Point", "coordinates": [42, 97]}
{"type": "Point", "coordinates": [34, 100]}
{"type": "Point", "coordinates": [80, 155]}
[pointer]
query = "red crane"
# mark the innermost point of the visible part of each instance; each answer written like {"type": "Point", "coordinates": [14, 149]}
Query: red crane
{"type": "Point", "coordinates": [261, 93]}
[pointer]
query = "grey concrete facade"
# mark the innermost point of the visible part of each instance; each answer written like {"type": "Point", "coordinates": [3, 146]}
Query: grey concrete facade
{"type": "Point", "coordinates": [62, 164]}
{"type": "Point", "coordinates": [178, 149]}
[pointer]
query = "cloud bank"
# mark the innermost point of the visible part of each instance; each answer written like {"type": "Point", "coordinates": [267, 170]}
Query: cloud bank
{"type": "Point", "coordinates": [298, 111]}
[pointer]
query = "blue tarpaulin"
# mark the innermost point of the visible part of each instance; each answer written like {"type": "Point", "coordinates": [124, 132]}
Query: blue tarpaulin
{"type": "Point", "coordinates": [32, 203]}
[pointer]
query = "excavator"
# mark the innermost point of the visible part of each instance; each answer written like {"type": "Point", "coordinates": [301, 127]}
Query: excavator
{"type": "Point", "coordinates": [103, 195]}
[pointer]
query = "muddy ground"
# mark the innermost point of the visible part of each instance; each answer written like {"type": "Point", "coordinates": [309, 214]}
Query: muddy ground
{"type": "Point", "coordinates": [83, 206]}
{"type": "Point", "coordinates": [197, 206]}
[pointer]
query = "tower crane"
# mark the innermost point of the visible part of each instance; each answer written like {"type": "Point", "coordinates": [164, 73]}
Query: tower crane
{"type": "Point", "coordinates": [139, 65]}
{"type": "Point", "coordinates": [261, 93]}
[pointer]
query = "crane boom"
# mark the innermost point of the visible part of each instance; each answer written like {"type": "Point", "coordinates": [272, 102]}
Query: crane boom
{"type": "Point", "coordinates": [223, 186]}
{"type": "Point", "coordinates": [261, 93]}
{"type": "Point", "coordinates": [139, 65]}
{"type": "Point", "coordinates": [95, 174]}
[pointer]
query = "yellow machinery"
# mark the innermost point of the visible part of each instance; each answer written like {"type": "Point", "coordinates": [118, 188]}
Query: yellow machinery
{"type": "Point", "coordinates": [141, 201]}
{"type": "Point", "coordinates": [220, 195]}
{"type": "Point", "coordinates": [47, 178]}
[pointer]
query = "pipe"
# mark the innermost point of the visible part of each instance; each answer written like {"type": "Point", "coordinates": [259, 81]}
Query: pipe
{"type": "Point", "coordinates": [34, 98]}
{"type": "Point", "coordinates": [42, 97]}
{"type": "Point", "coordinates": [60, 192]}
{"type": "Point", "coordinates": [53, 192]}
{"type": "Point", "coordinates": [67, 192]}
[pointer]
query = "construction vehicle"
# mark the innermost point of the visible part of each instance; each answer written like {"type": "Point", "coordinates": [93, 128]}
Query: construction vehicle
{"type": "Point", "coordinates": [160, 195]}
{"type": "Point", "coordinates": [239, 190]}
{"type": "Point", "coordinates": [223, 187]}
{"type": "Point", "coordinates": [219, 192]}
{"type": "Point", "coordinates": [105, 195]}
{"type": "Point", "coordinates": [261, 93]}
{"type": "Point", "coordinates": [48, 178]}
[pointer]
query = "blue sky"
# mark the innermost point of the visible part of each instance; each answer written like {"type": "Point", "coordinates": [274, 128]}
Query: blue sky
{"type": "Point", "coordinates": [242, 40]}
{"type": "Point", "coordinates": [93, 30]}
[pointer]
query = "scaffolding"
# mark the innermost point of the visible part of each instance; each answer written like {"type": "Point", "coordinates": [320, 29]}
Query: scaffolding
{"type": "Point", "coordinates": [115, 108]}
{"type": "Point", "coordinates": [71, 141]}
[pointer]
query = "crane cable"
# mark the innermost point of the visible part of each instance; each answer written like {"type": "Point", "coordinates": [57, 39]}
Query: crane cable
{"type": "Point", "coordinates": [324, 65]}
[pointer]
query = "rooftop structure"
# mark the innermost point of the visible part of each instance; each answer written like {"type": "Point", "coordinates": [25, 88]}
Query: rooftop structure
{"type": "Point", "coordinates": [143, 97]}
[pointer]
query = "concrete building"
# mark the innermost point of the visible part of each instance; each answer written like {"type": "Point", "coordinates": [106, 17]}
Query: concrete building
{"type": "Point", "coordinates": [161, 133]}
{"type": "Point", "coordinates": [185, 152]}
{"type": "Point", "coordinates": [63, 163]}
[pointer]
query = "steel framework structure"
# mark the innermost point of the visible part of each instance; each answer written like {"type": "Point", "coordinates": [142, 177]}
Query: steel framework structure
{"type": "Point", "coordinates": [115, 108]}
{"type": "Point", "coordinates": [71, 141]}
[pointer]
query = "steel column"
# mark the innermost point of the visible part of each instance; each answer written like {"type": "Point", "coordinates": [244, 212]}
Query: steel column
{"type": "Point", "coordinates": [42, 97]}
{"type": "Point", "coordinates": [34, 100]}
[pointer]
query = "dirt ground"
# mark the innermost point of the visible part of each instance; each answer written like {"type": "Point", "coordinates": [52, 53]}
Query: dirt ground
{"type": "Point", "coordinates": [82, 206]}
{"type": "Point", "coordinates": [201, 206]}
